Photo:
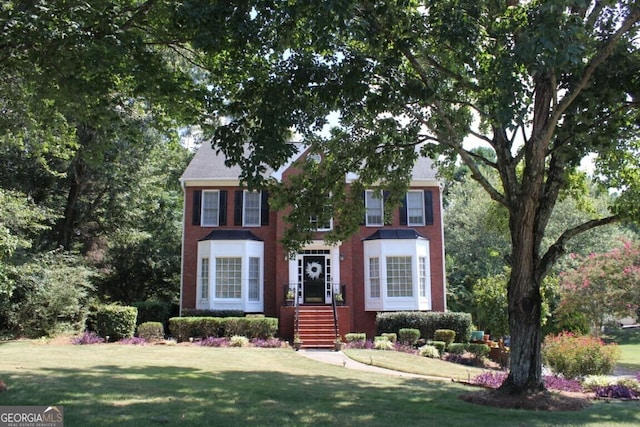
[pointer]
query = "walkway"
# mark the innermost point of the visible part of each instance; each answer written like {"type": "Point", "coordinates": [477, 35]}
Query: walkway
{"type": "Point", "coordinates": [339, 358]}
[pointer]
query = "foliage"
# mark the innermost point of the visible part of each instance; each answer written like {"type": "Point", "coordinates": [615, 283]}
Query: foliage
{"type": "Point", "coordinates": [191, 312]}
{"type": "Point", "coordinates": [116, 321]}
{"type": "Point", "coordinates": [214, 342]}
{"type": "Point", "coordinates": [87, 338]}
{"type": "Point", "coordinates": [441, 346]}
{"type": "Point", "coordinates": [151, 331]}
{"type": "Point", "coordinates": [238, 341]}
{"type": "Point", "coordinates": [183, 328]}
{"type": "Point", "coordinates": [383, 343]}
{"type": "Point", "coordinates": [541, 84]}
{"type": "Point", "coordinates": [360, 344]}
{"type": "Point", "coordinates": [603, 285]}
{"type": "Point", "coordinates": [457, 348]}
{"type": "Point", "coordinates": [575, 356]}
{"type": "Point", "coordinates": [355, 336]}
{"type": "Point", "coordinates": [494, 379]}
{"type": "Point", "coordinates": [153, 311]}
{"type": "Point", "coordinates": [446, 335]}
{"type": "Point", "coordinates": [392, 336]}
{"type": "Point", "coordinates": [617, 391]}
{"type": "Point", "coordinates": [49, 294]}
{"type": "Point", "coordinates": [409, 336]}
{"type": "Point", "coordinates": [429, 351]}
{"type": "Point", "coordinates": [593, 382]}
{"type": "Point", "coordinates": [479, 351]}
{"type": "Point", "coordinates": [266, 343]}
{"type": "Point", "coordinates": [426, 322]}
{"type": "Point", "coordinates": [133, 341]}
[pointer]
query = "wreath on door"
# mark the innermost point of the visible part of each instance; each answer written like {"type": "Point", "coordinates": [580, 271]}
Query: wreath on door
{"type": "Point", "coordinates": [313, 270]}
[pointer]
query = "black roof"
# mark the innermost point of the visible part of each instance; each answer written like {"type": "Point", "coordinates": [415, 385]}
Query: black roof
{"type": "Point", "coordinates": [395, 233]}
{"type": "Point", "coordinates": [231, 235]}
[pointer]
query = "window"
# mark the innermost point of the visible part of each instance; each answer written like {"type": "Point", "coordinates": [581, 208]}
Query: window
{"type": "Point", "coordinates": [422, 275]}
{"type": "Point", "coordinates": [374, 277]}
{"type": "Point", "coordinates": [399, 277]}
{"type": "Point", "coordinates": [228, 277]}
{"type": "Point", "coordinates": [254, 279]}
{"type": "Point", "coordinates": [210, 208]}
{"type": "Point", "coordinates": [374, 208]}
{"type": "Point", "coordinates": [251, 216]}
{"type": "Point", "coordinates": [415, 208]}
{"type": "Point", "coordinates": [326, 224]}
{"type": "Point", "coordinates": [204, 279]}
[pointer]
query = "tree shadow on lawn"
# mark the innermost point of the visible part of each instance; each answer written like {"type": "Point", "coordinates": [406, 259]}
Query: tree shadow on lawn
{"type": "Point", "coordinates": [186, 397]}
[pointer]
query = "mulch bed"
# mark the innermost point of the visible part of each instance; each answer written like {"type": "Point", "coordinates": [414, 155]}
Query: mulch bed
{"type": "Point", "coordinates": [542, 401]}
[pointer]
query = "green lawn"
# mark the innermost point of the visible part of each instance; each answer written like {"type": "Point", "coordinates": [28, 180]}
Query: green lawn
{"type": "Point", "coordinates": [629, 342]}
{"type": "Point", "coordinates": [116, 385]}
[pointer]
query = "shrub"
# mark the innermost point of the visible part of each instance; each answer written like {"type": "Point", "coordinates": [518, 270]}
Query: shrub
{"type": "Point", "coordinates": [479, 351]}
{"type": "Point", "coordinates": [152, 311]}
{"type": "Point", "coordinates": [252, 327]}
{"type": "Point", "coordinates": [446, 335]}
{"type": "Point", "coordinates": [393, 337]}
{"type": "Point", "coordinates": [382, 343]}
{"type": "Point", "coordinates": [214, 342]}
{"type": "Point", "coordinates": [359, 344]}
{"type": "Point", "coordinates": [426, 322]}
{"type": "Point", "coordinates": [440, 345]}
{"type": "Point", "coordinates": [409, 336]}
{"type": "Point", "coordinates": [594, 382]}
{"type": "Point", "coordinates": [266, 343]}
{"type": "Point", "coordinates": [575, 356]}
{"type": "Point", "coordinates": [116, 321]}
{"type": "Point", "coordinates": [151, 331]}
{"type": "Point", "coordinates": [355, 336]}
{"type": "Point", "coordinates": [457, 348]}
{"type": "Point", "coordinates": [133, 341]}
{"type": "Point", "coordinates": [192, 312]}
{"type": "Point", "coordinates": [616, 391]}
{"type": "Point", "coordinates": [88, 338]}
{"type": "Point", "coordinates": [238, 341]}
{"type": "Point", "coordinates": [429, 351]}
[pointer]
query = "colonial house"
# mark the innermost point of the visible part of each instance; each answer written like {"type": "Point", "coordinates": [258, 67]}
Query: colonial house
{"type": "Point", "coordinates": [232, 258]}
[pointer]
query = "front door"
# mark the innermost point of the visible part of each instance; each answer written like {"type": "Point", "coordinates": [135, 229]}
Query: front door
{"type": "Point", "coordinates": [314, 276]}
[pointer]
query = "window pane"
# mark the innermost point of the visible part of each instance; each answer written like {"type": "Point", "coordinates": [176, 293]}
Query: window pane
{"type": "Point", "coordinates": [251, 213]}
{"type": "Point", "coordinates": [399, 277]}
{"type": "Point", "coordinates": [374, 277]}
{"type": "Point", "coordinates": [210, 206]}
{"type": "Point", "coordinates": [228, 277]}
{"type": "Point", "coordinates": [422, 275]}
{"type": "Point", "coordinates": [415, 208]}
{"type": "Point", "coordinates": [373, 204]}
{"type": "Point", "coordinates": [204, 278]}
{"type": "Point", "coordinates": [254, 279]}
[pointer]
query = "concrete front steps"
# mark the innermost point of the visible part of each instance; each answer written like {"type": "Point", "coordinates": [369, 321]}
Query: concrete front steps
{"type": "Point", "coordinates": [316, 327]}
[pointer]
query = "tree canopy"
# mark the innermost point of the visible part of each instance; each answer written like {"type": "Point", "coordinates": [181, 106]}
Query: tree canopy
{"type": "Point", "coordinates": [542, 83]}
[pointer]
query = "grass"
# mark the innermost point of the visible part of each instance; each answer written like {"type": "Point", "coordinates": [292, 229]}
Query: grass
{"type": "Point", "coordinates": [416, 365]}
{"type": "Point", "coordinates": [628, 340]}
{"type": "Point", "coordinates": [116, 385]}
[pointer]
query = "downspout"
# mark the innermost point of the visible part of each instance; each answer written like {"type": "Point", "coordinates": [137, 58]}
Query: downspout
{"type": "Point", "coordinates": [184, 211]}
{"type": "Point", "coordinates": [444, 269]}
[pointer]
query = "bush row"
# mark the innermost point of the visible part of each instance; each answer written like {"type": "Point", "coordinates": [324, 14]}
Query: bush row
{"type": "Point", "coordinates": [426, 322]}
{"type": "Point", "coordinates": [183, 328]}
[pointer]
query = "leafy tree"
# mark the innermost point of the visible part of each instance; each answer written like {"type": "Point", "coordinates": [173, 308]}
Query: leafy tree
{"type": "Point", "coordinates": [542, 83]}
{"type": "Point", "coordinates": [603, 285]}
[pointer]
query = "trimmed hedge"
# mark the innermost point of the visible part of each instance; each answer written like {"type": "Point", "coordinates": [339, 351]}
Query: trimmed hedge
{"type": "Point", "coordinates": [409, 336]}
{"type": "Point", "coordinates": [192, 312]}
{"type": "Point", "coordinates": [355, 336]}
{"type": "Point", "coordinates": [183, 328]}
{"type": "Point", "coordinates": [457, 348]}
{"type": "Point", "coordinates": [446, 335]}
{"type": "Point", "coordinates": [116, 321]}
{"type": "Point", "coordinates": [152, 311]}
{"type": "Point", "coordinates": [151, 331]}
{"type": "Point", "coordinates": [426, 322]}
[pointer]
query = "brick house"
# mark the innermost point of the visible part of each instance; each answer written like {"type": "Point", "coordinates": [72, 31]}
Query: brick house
{"type": "Point", "coordinates": [232, 258]}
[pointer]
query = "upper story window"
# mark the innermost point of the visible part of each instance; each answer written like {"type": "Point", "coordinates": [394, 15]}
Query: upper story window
{"type": "Point", "coordinates": [374, 208]}
{"type": "Point", "coordinates": [415, 208]}
{"type": "Point", "coordinates": [210, 208]}
{"type": "Point", "coordinates": [251, 209]}
{"type": "Point", "coordinates": [322, 224]}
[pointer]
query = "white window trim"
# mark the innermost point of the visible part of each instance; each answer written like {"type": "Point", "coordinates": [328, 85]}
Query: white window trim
{"type": "Point", "coordinates": [370, 195]}
{"type": "Point", "coordinates": [244, 208]}
{"type": "Point", "coordinates": [409, 222]}
{"type": "Point", "coordinates": [216, 219]}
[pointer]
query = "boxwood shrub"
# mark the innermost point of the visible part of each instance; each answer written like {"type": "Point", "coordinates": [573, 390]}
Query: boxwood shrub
{"type": "Point", "coordinates": [151, 331]}
{"type": "Point", "coordinates": [116, 321]}
{"type": "Point", "coordinates": [183, 328]}
{"type": "Point", "coordinates": [446, 335]}
{"type": "Point", "coordinates": [409, 336]}
{"type": "Point", "coordinates": [355, 336]}
{"type": "Point", "coordinates": [426, 322]}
